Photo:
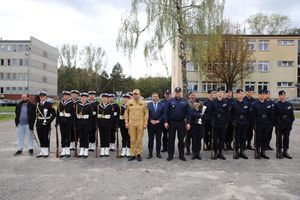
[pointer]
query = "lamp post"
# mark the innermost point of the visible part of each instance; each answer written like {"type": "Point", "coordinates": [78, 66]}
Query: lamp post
{"type": "Point", "coordinates": [27, 54]}
{"type": "Point", "coordinates": [118, 93]}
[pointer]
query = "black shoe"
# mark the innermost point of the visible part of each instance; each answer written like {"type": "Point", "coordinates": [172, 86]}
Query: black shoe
{"type": "Point", "coordinates": [258, 156]}
{"type": "Point", "coordinates": [45, 156]}
{"type": "Point", "coordinates": [193, 156]}
{"type": "Point", "coordinates": [39, 156]}
{"type": "Point", "coordinates": [182, 158]}
{"type": "Point", "coordinates": [169, 158]}
{"type": "Point", "coordinates": [280, 156]}
{"type": "Point", "coordinates": [31, 152]}
{"type": "Point", "coordinates": [249, 146]}
{"type": "Point", "coordinates": [263, 155]}
{"type": "Point", "coordinates": [269, 148]}
{"type": "Point", "coordinates": [139, 158]}
{"type": "Point", "coordinates": [61, 156]}
{"type": "Point", "coordinates": [220, 155]}
{"type": "Point", "coordinates": [91, 150]}
{"type": "Point", "coordinates": [215, 156]}
{"type": "Point", "coordinates": [106, 155]}
{"type": "Point", "coordinates": [164, 150]}
{"type": "Point", "coordinates": [18, 153]}
{"type": "Point", "coordinates": [243, 155]}
{"type": "Point", "coordinates": [159, 156]}
{"type": "Point", "coordinates": [85, 156]}
{"type": "Point", "coordinates": [188, 152]}
{"type": "Point", "coordinates": [286, 155]}
{"type": "Point", "coordinates": [236, 156]}
{"type": "Point", "coordinates": [79, 156]}
{"type": "Point", "coordinates": [149, 156]}
{"type": "Point", "coordinates": [131, 158]}
{"type": "Point", "coordinates": [68, 155]}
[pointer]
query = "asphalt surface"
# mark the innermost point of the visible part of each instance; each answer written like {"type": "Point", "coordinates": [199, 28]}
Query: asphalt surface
{"type": "Point", "coordinates": [25, 177]}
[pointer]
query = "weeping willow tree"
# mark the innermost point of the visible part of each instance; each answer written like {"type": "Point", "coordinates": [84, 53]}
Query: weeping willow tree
{"type": "Point", "coordinates": [175, 22]}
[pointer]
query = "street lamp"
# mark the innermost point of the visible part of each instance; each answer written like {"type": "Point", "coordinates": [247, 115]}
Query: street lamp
{"type": "Point", "coordinates": [27, 54]}
{"type": "Point", "coordinates": [119, 93]}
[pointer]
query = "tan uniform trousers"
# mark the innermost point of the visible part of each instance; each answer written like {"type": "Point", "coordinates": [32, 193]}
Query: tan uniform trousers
{"type": "Point", "coordinates": [136, 135]}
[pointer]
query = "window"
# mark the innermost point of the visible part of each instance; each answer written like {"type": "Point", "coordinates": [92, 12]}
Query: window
{"type": "Point", "coordinates": [9, 48]}
{"type": "Point", "coordinates": [14, 48]}
{"type": "Point", "coordinates": [1, 90]}
{"type": "Point", "coordinates": [7, 90]}
{"type": "Point", "coordinates": [191, 67]}
{"type": "Point", "coordinates": [44, 79]}
{"type": "Point", "coordinates": [2, 62]}
{"type": "Point", "coordinates": [251, 45]}
{"type": "Point", "coordinates": [251, 65]}
{"type": "Point", "coordinates": [14, 76]}
{"type": "Point", "coordinates": [20, 90]}
{"type": "Point", "coordinates": [45, 66]}
{"type": "Point", "coordinates": [285, 63]}
{"type": "Point", "coordinates": [284, 84]}
{"type": "Point", "coordinates": [2, 48]}
{"type": "Point", "coordinates": [25, 89]}
{"type": "Point", "coordinates": [250, 84]}
{"type": "Point", "coordinates": [14, 62]}
{"type": "Point", "coordinates": [8, 76]}
{"type": "Point", "coordinates": [263, 45]}
{"type": "Point", "coordinates": [263, 66]}
{"type": "Point", "coordinates": [193, 86]}
{"type": "Point", "coordinates": [45, 54]}
{"type": "Point", "coordinates": [2, 76]}
{"type": "Point", "coordinates": [21, 48]}
{"type": "Point", "coordinates": [14, 90]}
{"type": "Point", "coordinates": [286, 42]}
{"type": "Point", "coordinates": [21, 62]}
{"type": "Point", "coordinates": [8, 62]}
{"type": "Point", "coordinates": [206, 85]}
{"type": "Point", "coordinates": [263, 85]}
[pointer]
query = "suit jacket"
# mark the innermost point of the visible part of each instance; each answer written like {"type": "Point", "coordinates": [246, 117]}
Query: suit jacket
{"type": "Point", "coordinates": [158, 115]}
{"type": "Point", "coordinates": [30, 112]}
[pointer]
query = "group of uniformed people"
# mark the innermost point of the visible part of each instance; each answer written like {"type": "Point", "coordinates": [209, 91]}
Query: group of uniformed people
{"type": "Point", "coordinates": [222, 123]}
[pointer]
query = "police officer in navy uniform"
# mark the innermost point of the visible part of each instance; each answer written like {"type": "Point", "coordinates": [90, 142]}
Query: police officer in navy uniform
{"type": "Point", "coordinates": [229, 130]}
{"type": "Point", "coordinates": [92, 134]}
{"type": "Point", "coordinates": [45, 114]}
{"type": "Point", "coordinates": [208, 121]}
{"type": "Point", "coordinates": [240, 117]}
{"type": "Point", "coordinates": [196, 119]}
{"type": "Point", "coordinates": [75, 100]}
{"type": "Point", "coordinates": [84, 114]}
{"type": "Point", "coordinates": [124, 130]}
{"type": "Point", "coordinates": [105, 115]}
{"type": "Point", "coordinates": [115, 122]}
{"type": "Point", "coordinates": [176, 112]}
{"type": "Point", "coordinates": [164, 130]}
{"type": "Point", "coordinates": [220, 117]}
{"type": "Point", "coordinates": [65, 120]}
{"type": "Point", "coordinates": [262, 113]}
{"type": "Point", "coordinates": [250, 100]}
{"type": "Point", "coordinates": [284, 118]}
{"type": "Point", "coordinates": [272, 103]}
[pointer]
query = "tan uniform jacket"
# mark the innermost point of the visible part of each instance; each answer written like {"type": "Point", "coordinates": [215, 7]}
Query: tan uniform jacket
{"type": "Point", "coordinates": [136, 113]}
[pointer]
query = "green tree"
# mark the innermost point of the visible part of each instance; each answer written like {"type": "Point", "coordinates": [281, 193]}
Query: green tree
{"type": "Point", "coordinates": [117, 78]}
{"type": "Point", "coordinates": [174, 22]}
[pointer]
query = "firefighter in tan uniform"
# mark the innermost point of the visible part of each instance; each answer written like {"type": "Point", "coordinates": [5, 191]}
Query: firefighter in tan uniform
{"type": "Point", "coordinates": [136, 119]}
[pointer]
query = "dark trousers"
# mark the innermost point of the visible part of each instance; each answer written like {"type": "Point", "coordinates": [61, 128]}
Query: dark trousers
{"type": "Point", "coordinates": [187, 139]}
{"type": "Point", "coordinates": [92, 133]}
{"type": "Point", "coordinates": [65, 132]}
{"type": "Point", "coordinates": [180, 128]}
{"type": "Point", "coordinates": [261, 137]}
{"type": "Point", "coordinates": [165, 138]}
{"type": "Point", "coordinates": [112, 137]}
{"type": "Point", "coordinates": [74, 136]}
{"type": "Point", "coordinates": [229, 134]}
{"type": "Point", "coordinates": [284, 135]}
{"type": "Point", "coordinates": [43, 135]}
{"type": "Point", "coordinates": [240, 136]}
{"type": "Point", "coordinates": [270, 134]}
{"type": "Point", "coordinates": [83, 133]}
{"type": "Point", "coordinates": [207, 132]}
{"type": "Point", "coordinates": [249, 134]}
{"type": "Point", "coordinates": [104, 136]}
{"type": "Point", "coordinates": [196, 132]}
{"type": "Point", "coordinates": [219, 136]}
{"type": "Point", "coordinates": [125, 135]}
{"type": "Point", "coordinates": [154, 131]}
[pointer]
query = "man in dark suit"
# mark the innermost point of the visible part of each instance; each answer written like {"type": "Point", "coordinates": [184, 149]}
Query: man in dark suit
{"type": "Point", "coordinates": [155, 124]}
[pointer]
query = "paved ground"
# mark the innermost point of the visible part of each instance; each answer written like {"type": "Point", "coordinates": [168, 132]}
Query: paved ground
{"type": "Point", "coordinates": [26, 177]}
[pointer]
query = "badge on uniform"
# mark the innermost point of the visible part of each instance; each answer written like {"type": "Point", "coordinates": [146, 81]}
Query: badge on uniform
{"type": "Point", "coordinates": [289, 107]}
{"type": "Point", "coordinates": [131, 104]}
{"type": "Point", "coordinates": [269, 107]}
{"type": "Point", "coordinates": [224, 105]}
{"type": "Point", "coordinates": [245, 107]}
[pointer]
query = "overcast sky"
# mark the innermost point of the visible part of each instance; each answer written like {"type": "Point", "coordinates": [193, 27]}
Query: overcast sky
{"type": "Point", "coordinates": [82, 22]}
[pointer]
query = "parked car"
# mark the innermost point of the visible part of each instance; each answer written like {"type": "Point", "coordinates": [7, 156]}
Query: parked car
{"type": "Point", "coordinates": [295, 102]}
{"type": "Point", "coordinates": [7, 102]}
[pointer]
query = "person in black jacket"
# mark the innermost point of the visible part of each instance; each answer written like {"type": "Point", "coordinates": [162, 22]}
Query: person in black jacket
{"type": "Point", "coordinates": [123, 129]}
{"type": "Point", "coordinates": [45, 114]}
{"type": "Point", "coordinates": [24, 120]}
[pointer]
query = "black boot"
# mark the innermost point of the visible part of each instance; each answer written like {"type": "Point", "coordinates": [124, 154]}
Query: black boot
{"type": "Point", "coordinates": [280, 156]}
{"type": "Point", "coordinates": [258, 156]}
{"type": "Point", "coordinates": [131, 158]}
{"type": "Point", "coordinates": [194, 156]}
{"type": "Point", "coordinates": [188, 151]}
{"type": "Point", "coordinates": [198, 156]}
{"type": "Point", "coordinates": [263, 155]}
{"type": "Point", "coordinates": [220, 155]}
{"type": "Point", "coordinates": [243, 155]}
{"type": "Point", "coordinates": [139, 157]}
{"type": "Point", "coordinates": [19, 152]}
{"type": "Point", "coordinates": [215, 156]}
{"type": "Point", "coordinates": [286, 155]}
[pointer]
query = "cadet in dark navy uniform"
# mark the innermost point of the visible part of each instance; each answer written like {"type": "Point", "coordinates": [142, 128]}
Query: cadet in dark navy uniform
{"type": "Point", "coordinates": [92, 134]}
{"type": "Point", "coordinates": [176, 111]}
{"type": "Point", "coordinates": [219, 113]}
{"type": "Point", "coordinates": [272, 103]}
{"type": "Point", "coordinates": [240, 117]}
{"type": "Point", "coordinates": [262, 113]}
{"type": "Point", "coordinates": [284, 118]}
{"type": "Point", "coordinates": [115, 122]}
{"type": "Point", "coordinates": [65, 120]}
{"type": "Point", "coordinates": [124, 130]}
{"type": "Point", "coordinates": [74, 136]}
{"type": "Point", "coordinates": [250, 100]}
{"type": "Point", "coordinates": [196, 130]}
{"type": "Point", "coordinates": [45, 114]}
{"type": "Point", "coordinates": [164, 130]}
{"type": "Point", "coordinates": [229, 130]}
{"type": "Point", "coordinates": [208, 121]}
{"type": "Point", "coordinates": [84, 114]}
{"type": "Point", "coordinates": [105, 116]}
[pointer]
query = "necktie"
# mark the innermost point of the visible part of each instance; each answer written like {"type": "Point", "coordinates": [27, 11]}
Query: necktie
{"type": "Point", "coordinates": [155, 106]}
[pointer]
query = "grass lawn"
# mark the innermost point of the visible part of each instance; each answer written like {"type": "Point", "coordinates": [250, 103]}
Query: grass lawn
{"type": "Point", "coordinates": [7, 109]}
{"type": "Point", "coordinates": [6, 117]}
{"type": "Point", "coordinates": [297, 115]}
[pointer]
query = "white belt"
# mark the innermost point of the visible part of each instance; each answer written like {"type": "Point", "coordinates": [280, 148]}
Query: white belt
{"type": "Point", "coordinates": [103, 116]}
{"type": "Point", "coordinates": [82, 116]}
{"type": "Point", "coordinates": [200, 121]}
{"type": "Point", "coordinates": [62, 114]}
{"type": "Point", "coordinates": [44, 117]}
{"type": "Point", "coordinates": [115, 113]}
{"type": "Point", "coordinates": [94, 112]}
{"type": "Point", "coordinates": [122, 117]}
